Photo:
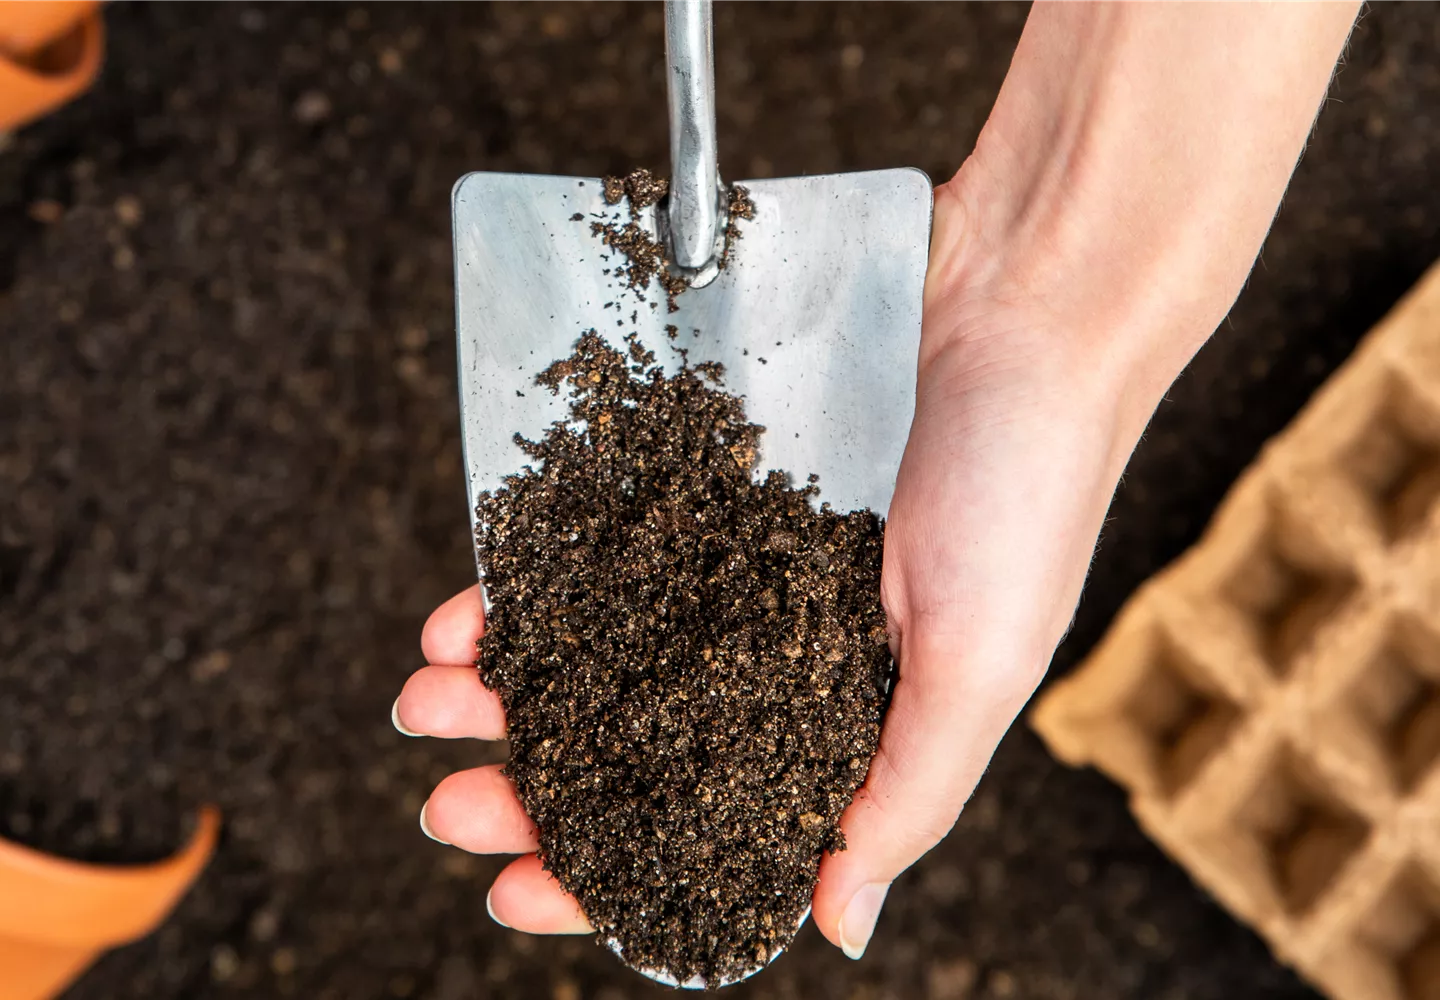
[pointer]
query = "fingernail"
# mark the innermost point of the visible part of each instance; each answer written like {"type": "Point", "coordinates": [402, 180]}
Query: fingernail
{"type": "Point", "coordinates": [395, 721]}
{"type": "Point", "coordinates": [491, 910]}
{"type": "Point", "coordinates": [857, 923]}
{"type": "Point", "coordinates": [425, 829]}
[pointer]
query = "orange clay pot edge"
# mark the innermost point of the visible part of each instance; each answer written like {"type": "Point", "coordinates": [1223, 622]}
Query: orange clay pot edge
{"type": "Point", "coordinates": [30, 971]}
{"type": "Point", "coordinates": [26, 25]}
{"type": "Point", "coordinates": [26, 95]}
{"type": "Point", "coordinates": [55, 901]}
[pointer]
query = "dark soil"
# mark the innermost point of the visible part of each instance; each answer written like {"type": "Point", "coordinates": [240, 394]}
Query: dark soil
{"type": "Point", "coordinates": [738, 206]}
{"type": "Point", "coordinates": [644, 255]}
{"type": "Point", "coordinates": [102, 829]}
{"type": "Point", "coordinates": [230, 484]}
{"type": "Point", "coordinates": [644, 259]}
{"type": "Point", "coordinates": [693, 665]}
{"type": "Point", "coordinates": [639, 189]}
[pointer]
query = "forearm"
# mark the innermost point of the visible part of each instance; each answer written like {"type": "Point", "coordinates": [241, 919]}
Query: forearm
{"type": "Point", "coordinates": [1128, 174]}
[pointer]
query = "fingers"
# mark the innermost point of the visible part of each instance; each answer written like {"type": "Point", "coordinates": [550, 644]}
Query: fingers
{"type": "Point", "coordinates": [447, 699]}
{"type": "Point", "coordinates": [451, 703]}
{"type": "Point", "coordinates": [450, 634]}
{"type": "Point", "coordinates": [527, 898]}
{"type": "Point", "coordinates": [478, 811]}
{"type": "Point", "coordinates": [941, 729]}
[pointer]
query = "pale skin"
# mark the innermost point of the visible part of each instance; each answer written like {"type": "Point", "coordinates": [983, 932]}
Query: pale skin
{"type": "Point", "coordinates": [1108, 217]}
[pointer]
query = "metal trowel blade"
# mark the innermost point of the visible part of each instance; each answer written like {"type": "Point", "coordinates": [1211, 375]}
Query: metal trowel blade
{"type": "Point", "coordinates": [816, 318]}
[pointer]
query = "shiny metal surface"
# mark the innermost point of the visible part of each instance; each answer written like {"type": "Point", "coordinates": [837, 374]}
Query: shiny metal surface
{"type": "Point", "coordinates": [694, 215]}
{"type": "Point", "coordinates": [816, 320]}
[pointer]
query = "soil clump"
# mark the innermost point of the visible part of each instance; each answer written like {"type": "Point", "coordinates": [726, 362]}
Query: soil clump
{"type": "Point", "coordinates": [644, 255]}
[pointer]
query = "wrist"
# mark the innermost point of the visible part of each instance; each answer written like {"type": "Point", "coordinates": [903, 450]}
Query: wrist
{"type": "Point", "coordinates": [1097, 334]}
{"type": "Point", "coordinates": [1121, 190]}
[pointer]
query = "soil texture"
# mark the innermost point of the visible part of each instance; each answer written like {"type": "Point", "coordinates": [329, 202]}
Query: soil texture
{"type": "Point", "coordinates": [645, 256]}
{"type": "Point", "coordinates": [693, 665]}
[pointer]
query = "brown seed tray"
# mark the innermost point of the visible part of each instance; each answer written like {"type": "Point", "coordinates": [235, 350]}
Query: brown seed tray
{"type": "Point", "coordinates": [1271, 700]}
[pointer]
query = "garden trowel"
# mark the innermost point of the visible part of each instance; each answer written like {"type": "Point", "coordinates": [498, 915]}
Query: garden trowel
{"type": "Point", "coordinates": [815, 313]}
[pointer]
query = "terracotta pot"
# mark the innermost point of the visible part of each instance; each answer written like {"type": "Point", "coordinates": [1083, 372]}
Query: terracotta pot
{"type": "Point", "coordinates": [49, 52]}
{"type": "Point", "coordinates": [26, 25]}
{"type": "Point", "coordinates": [57, 916]}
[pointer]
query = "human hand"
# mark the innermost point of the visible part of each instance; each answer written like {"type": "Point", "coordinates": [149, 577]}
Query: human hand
{"type": "Point", "coordinates": [1014, 451]}
{"type": "Point", "coordinates": [478, 810]}
{"type": "Point", "coordinates": [1102, 229]}
{"type": "Point", "coordinates": [1010, 465]}
{"type": "Point", "coordinates": [1018, 441]}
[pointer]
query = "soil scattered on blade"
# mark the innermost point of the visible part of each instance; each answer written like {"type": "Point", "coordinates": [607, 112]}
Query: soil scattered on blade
{"type": "Point", "coordinates": [644, 259]}
{"type": "Point", "coordinates": [693, 665]}
{"type": "Point", "coordinates": [738, 207]}
{"type": "Point", "coordinates": [639, 188]}
{"type": "Point", "coordinates": [645, 256]}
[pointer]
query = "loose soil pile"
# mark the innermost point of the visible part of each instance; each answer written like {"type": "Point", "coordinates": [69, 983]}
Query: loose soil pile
{"type": "Point", "coordinates": [693, 665]}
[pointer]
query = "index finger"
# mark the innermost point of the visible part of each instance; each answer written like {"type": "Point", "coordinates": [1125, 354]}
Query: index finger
{"type": "Point", "coordinates": [451, 632]}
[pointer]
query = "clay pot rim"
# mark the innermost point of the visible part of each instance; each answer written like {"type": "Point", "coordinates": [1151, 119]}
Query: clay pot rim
{"type": "Point", "coordinates": [76, 904]}
{"type": "Point", "coordinates": [26, 92]}
{"type": "Point", "coordinates": [27, 26]}
{"type": "Point", "coordinates": [65, 57]}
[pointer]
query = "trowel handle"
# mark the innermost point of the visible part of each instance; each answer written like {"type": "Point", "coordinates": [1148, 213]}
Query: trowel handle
{"type": "Point", "coordinates": [694, 161]}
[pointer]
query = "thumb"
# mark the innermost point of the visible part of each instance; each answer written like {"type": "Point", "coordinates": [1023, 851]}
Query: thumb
{"type": "Point", "coordinates": [947, 714]}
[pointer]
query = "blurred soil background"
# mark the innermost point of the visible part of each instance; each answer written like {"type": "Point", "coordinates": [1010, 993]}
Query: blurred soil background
{"type": "Point", "coordinates": [230, 480]}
